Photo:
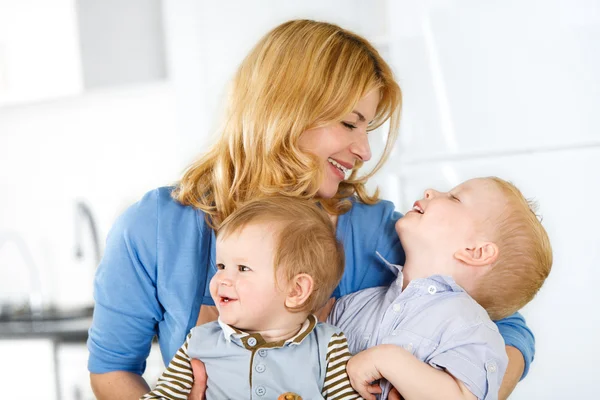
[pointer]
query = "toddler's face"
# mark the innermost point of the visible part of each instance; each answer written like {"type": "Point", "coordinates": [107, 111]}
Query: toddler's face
{"type": "Point", "coordinates": [447, 221]}
{"type": "Point", "coordinates": [244, 288]}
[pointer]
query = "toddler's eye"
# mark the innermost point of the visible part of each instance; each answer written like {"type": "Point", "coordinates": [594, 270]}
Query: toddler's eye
{"type": "Point", "coordinates": [220, 266]}
{"type": "Point", "coordinates": [243, 268]}
{"type": "Point", "coordinates": [454, 198]}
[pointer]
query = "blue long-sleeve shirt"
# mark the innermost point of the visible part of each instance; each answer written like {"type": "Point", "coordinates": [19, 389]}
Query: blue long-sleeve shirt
{"type": "Point", "coordinates": [160, 257]}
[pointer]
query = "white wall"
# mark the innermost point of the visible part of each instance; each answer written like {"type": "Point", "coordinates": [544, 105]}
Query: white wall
{"type": "Point", "coordinates": [106, 148]}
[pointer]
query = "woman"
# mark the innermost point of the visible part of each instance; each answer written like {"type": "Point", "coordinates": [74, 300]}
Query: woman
{"type": "Point", "coordinates": [300, 109]}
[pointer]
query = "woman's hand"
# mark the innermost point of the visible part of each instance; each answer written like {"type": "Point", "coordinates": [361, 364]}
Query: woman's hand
{"type": "Point", "coordinates": [363, 371]}
{"type": "Point", "coordinates": [200, 378]}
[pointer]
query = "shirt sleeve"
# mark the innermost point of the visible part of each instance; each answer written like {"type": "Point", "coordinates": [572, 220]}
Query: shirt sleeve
{"type": "Point", "coordinates": [337, 383]}
{"type": "Point", "coordinates": [515, 332]}
{"type": "Point", "coordinates": [177, 380]}
{"type": "Point", "coordinates": [126, 306]}
{"type": "Point", "coordinates": [476, 356]}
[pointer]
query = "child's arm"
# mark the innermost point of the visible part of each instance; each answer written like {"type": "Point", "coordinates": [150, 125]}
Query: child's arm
{"type": "Point", "coordinates": [177, 380]}
{"type": "Point", "coordinates": [413, 378]}
{"type": "Point", "coordinates": [337, 384]}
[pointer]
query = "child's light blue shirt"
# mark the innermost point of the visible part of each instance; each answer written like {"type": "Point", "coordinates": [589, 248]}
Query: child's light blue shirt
{"type": "Point", "coordinates": [241, 365]}
{"type": "Point", "coordinates": [436, 321]}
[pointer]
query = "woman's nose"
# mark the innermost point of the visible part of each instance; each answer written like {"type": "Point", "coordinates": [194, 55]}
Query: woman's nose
{"type": "Point", "coordinates": [360, 147]}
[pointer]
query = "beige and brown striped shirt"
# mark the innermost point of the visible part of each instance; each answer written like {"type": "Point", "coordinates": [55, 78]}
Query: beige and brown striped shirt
{"type": "Point", "coordinates": [312, 364]}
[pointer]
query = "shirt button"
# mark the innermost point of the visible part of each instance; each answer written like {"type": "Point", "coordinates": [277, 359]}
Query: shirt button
{"type": "Point", "coordinates": [262, 353]}
{"type": "Point", "coordinates": [260, 368]}
{"type": "Point", "coordinates": [261, 391]}
{"type": "Point", "coordinates": [492, 367]}
{"type": "Point", "coordinates": [397, 307]}
{"type": "Point", "coordinates": [252, 342]}
{"type": "Point", "coordinates": [408, 347]}
{"type": "Point", "coordinates": [432, 289]}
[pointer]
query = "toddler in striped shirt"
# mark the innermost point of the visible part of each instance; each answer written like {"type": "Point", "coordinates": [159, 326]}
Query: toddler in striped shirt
{"type": "Point", "coordinates": [278, 261]}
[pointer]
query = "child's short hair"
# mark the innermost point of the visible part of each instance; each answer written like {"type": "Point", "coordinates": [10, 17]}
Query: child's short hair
{"type": "Point", "coordinates": [305, 242]}
{"type": "Point", "coordinates": [524, 259]}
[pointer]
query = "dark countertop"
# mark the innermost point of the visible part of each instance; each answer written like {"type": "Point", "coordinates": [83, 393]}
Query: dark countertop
{"type": "Point", "coordinates": [59, 325]}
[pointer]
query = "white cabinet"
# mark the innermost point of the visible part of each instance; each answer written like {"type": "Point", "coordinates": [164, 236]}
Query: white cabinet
{"type": "Point", "coordinates": [494, 77]}
{"type": "Point", "coordinates": [28, 369]}
{"type": "Point", "coordinates": [39, 50]}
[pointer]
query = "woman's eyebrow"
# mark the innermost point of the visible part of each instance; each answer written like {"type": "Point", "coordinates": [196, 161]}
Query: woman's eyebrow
{"type": "Point", "coordinates": [361, 117]}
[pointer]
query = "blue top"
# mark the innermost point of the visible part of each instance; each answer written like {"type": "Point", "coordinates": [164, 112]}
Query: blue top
{"type": "Point", "coordinates": [159, 259]}
{"type": "Point", "coordinates": [435, 320]}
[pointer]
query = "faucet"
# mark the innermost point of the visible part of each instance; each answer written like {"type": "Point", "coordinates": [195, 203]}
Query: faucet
{"type": "Point", "coordinates": [82, 210]}
{"type": "Point", "coordinates": [36, 300]}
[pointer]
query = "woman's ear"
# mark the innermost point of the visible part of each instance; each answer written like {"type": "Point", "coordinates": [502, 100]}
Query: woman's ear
{"type": "Point", "coordinates": [480, 255]}
{"type": "Point", "coordinates": [301, 287]}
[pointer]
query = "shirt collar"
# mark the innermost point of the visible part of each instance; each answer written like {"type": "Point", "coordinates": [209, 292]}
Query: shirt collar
{"type": "Point", "coordinates": [231, 332]}
{"type": "Point", "coordinates": [436, 284]}
{"type": "Point", "coordinates": [432, 285]}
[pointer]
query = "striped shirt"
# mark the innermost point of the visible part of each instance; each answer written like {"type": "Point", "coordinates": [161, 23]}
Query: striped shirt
{"type": "Point", "coordinates": [239, 365]}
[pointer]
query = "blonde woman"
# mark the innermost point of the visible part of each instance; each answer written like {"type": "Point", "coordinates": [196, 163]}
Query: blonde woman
{"type": "Point", "coordinates": [299, 113]}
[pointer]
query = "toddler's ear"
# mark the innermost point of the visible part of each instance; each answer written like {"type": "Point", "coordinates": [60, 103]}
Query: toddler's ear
{"type": "Point", "coordinates": [480, 255]}
{"type": "Point", "coordinates": [300, 290]}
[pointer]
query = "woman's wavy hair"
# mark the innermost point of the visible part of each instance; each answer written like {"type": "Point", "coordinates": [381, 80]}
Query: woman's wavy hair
{"type": "Point", "coordinates": [303, 74]}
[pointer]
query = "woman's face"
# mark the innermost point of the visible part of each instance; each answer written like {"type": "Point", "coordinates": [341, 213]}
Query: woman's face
{"type": "Point", "coordinates": [340, 145]}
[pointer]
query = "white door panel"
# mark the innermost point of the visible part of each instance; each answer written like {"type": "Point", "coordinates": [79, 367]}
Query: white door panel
{"type": "Point", "coordinates": [491, 77]}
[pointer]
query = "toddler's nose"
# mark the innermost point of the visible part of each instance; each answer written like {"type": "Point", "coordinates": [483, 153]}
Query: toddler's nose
{"type": "Point", "coordinates": [430, 193]}
{"type": "Point", "coordinates": [225, 282]}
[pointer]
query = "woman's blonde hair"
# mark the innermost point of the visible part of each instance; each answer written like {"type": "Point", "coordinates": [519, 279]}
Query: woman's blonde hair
{"type": "Point", "coordinates": [302, 75]}
{"type": "Point", "coordinates": [305, 243]}
{"type": "Point", "coordinates": [524, 257]}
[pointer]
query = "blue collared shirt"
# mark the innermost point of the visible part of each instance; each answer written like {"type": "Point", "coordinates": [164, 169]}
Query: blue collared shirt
{"type": "Point", "coordinates": [435, 320]}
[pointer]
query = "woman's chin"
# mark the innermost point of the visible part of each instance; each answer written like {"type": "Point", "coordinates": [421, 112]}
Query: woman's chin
{"type": "Point", "coordinates": [328, 191]}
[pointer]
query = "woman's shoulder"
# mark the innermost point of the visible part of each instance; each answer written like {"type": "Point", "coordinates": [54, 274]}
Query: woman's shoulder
{"type": "Point", "coordinates": [158, 211]}
{"type": "Point", "coordinates": [381, 211]}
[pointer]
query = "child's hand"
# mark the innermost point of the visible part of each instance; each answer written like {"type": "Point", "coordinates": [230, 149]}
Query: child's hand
{"type": "Point", "coordinates": [200, 378]}
{"type": "Point", "coordinates": [362, 370]}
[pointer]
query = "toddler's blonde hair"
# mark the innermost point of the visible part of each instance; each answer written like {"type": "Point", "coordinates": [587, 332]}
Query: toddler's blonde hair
{"type": "Point", "coordinates": [305, 242]}
{"type": "Point", "coordinates": [524, 259]}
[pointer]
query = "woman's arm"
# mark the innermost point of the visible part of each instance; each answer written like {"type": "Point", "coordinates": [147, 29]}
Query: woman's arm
{"type": "Point", "coordinates": [126, 306]}
{"type": "Point", "coordinates": [517, 335]}
{"type": "Point", "coordinates": [514, 371]}
{"type": "Point", "coordinates": [411, 377]}
{"type": "Point", "coordinates": [118, 385]}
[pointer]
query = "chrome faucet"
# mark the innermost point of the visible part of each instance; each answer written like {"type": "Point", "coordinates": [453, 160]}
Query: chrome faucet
{"type": "Point", "coordinates": [83, 211]}
{"type": "Point", "coordinates": [36, 298]}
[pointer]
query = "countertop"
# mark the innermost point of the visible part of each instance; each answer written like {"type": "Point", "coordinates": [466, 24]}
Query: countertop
{"type": "Point", "coordinates": [60, 325]}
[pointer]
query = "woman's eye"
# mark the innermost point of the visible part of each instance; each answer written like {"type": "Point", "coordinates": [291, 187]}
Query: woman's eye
{"type": "Point", "coordinates": [243, 268]}
{"type": "Point", "coordinates": [220, 266]}
{"type": "Point", "coordinates": [455, 198]}
{"type": "Point", "coordinates": [349, 125]}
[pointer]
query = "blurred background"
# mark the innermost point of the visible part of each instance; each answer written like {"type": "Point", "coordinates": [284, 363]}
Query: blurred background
{"type": "Point", "coordinates": [101, 101]}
